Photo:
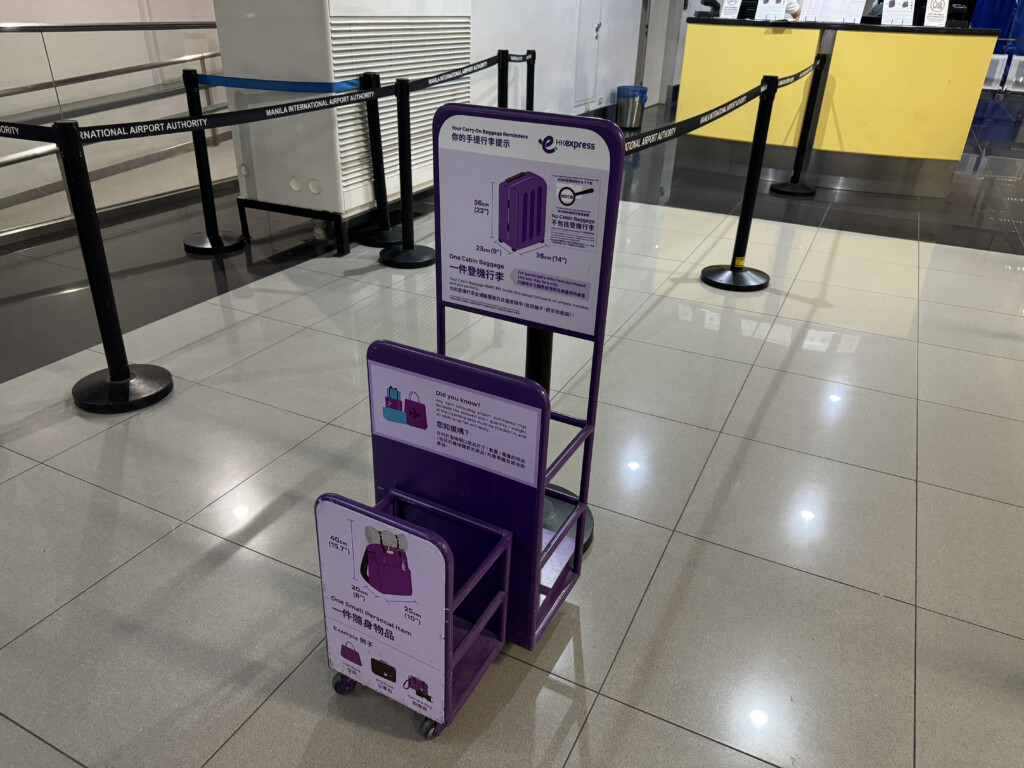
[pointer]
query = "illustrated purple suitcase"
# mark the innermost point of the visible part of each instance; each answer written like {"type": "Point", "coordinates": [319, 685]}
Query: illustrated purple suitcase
{"type": "Point", "coordinates": [386, 568]}
{"type": "Point", "coordinates": [522, 208]}
{"type": "Point", "coordinates": [351, 655]}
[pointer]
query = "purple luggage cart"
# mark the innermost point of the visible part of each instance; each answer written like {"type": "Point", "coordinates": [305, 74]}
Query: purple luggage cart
{"type": "Point", "coordinates": [522, 208]}
{"type": "Point", "coordinates": [475, 572]}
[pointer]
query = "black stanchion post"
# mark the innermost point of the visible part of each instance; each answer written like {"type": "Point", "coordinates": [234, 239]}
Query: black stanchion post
{"type": "Point", "coordinates": [531, 70]}
{"type": "Point", "coordinates": [406, 255]}
{"type": "Point", "coordinates": [213, 240]}
{"type": "Point", "coordinates": [737, 276]}
{"type": "Point", "coordinates": [540, 342]}
{"type": "Point", "coordinates": [385, 234]}
{"type": "Point", "coordinates": [122, 387]}
{"type": "Point", "coordinates": [794, 187]}
{"type": "Point", "coordinates": [503, 78]}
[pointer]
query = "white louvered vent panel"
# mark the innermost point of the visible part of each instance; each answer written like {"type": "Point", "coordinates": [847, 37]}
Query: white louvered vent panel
{"type": "Point", "coordinates": [409, 47]}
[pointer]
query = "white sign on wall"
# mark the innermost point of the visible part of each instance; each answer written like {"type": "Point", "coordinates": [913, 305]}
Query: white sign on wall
{"type": "Point", "coordinates": [770, 10]}
{"type": "Point", "coordinates": [898, 13]}
{"type": "Point", "coordinates": [935, 13]}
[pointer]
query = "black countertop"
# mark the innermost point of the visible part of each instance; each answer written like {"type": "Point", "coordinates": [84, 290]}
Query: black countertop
{"type": "Point", "coordinates": [849, 27]}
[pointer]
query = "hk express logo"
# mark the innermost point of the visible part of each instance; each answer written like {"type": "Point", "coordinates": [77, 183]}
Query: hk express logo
{"type": "Point", "coordinates": [549, 144]}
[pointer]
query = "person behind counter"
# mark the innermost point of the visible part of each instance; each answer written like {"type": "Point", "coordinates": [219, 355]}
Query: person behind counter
{"type": "Point", "coordinates": [792, 10]}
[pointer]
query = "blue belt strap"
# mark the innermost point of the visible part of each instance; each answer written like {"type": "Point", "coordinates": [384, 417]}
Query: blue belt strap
{"type": "Point", "coordinates": [278, 85]}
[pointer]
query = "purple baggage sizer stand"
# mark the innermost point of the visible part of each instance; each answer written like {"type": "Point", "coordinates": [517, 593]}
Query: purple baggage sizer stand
{"type": "Point", "coordinates": [552, 558]}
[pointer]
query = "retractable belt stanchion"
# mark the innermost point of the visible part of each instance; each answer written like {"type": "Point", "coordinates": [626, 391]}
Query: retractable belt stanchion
{"type": "Point", "coordinates": [794, 187]}
{"type": "Point", "coordinates": [736, 276]}
{"type": "Point", "coordinates": [531, 70]}
{"type": "Point", "coordinates": [122, 387]}
{"type": "Point", "coordinates": [407, 254]}
{"type": "Point", "coordinates": [212, 241]}
{"type": "Point", "coordinates": [385, 234]}
{"type": "Point", "coordinates": [503, 78]}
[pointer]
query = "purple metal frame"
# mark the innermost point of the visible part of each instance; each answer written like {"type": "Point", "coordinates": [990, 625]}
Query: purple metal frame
{"type": "Point", "coordinates": [476, 492]}
{"type": "Point", "coordinates": [391, 511]}
{"type": "Point", "coordinates": [555, 593]}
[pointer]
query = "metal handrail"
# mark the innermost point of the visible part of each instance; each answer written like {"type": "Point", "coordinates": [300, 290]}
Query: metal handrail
{"type": "Point", "coordinates": [113, 26]}
{"type": "Point", "coordinates": [107, 73]}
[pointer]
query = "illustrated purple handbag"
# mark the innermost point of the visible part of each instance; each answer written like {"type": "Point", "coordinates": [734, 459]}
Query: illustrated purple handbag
{"type": "Point", "coordinates": [415, 412]}
{"type": "Point", "coordinates": [418, 686]}
{"type": "Point", "coordinates": [351, 655]}
{"type": "Point", "coordinates": [385, 567]}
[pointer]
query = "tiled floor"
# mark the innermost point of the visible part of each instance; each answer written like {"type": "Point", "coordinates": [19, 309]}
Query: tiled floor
{"type": "Point", "coordinates": [809, 511]}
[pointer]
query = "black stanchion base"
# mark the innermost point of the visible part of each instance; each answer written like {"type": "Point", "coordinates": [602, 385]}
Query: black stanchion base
{"type": "Point", "coordinates": [201, 244]}
{"type": "Point", "coordinates": [792, 189]}
{"type": "Point", "coordinates": [148, 384]}
{"type": "Point", "coordinates": [556, 512]}
{"type": "Point", "coordinates": [730, 279]}
{"type": "Point", "coordinates": [381, 238]}
{"type": "Point", "coordinates": [417, 256]}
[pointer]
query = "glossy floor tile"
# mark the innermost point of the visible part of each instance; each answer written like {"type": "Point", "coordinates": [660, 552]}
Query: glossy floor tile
{"type": "Point", "coordinates": [987, 293]}
{"type": "Point", "coordinates": [213, 439]}
{"type": "Point", "coordinates": [619, 735]}
{"type": "Point", "coordinates": [706, 652]}
{"type": "Point", "coordinates": [769, 232]}
{"type": "Point", "coordinates": [23, 749]}
{"type": "Point", "coordinates": [518, 716]}
{"type": "Point", "coordinates": [851, 308]}
{"type": "Point", "coordinates": [729, 333]}
{"type": "Point", "coordinates": [202, 340]}
{"type": "Point", "coordinates": [780, 260]}
{"type": "Point", "coordinates": [769, 440]}
{"type": "Point", "coordinates": [61, 536]}
{"type": "Point", "coordinates": [970, 697]}
{"type": "Point", "coordinates": [655, 242]}
{"type": "Point", "coordinates": [861, 273]}
{"type": "Point", "coordinates": [272, 511]}
{"type": "Point", "coordinates": [865, 246]}
{"type": "Point", "coordinates": [973, 330]}
{"type": "Point", "coordinates": [647, 378]}
{"type": "Point", "coordinates": [838, 521]}
{"type": "Point", "coordinates": [321, 303]}
{"type": "Point", "coordinates": [685, 284]}
{"type": "Point", "coordinates": [584, 637]}
{"type": "Point", "coordinates": [633, 272]}
{"type": "Point", "coordinates": [39, 418]}
{"type": "Point", "coordinates": [836, 421]}
{"type": "Point", "coordinates": [969, 563]}
{"type": "Point", "coordinates": [146, 668]}
{"type": "Point", "coordinates": [292, 375]}
{"type": "Point", "coordinates": [843, 355]}
{"type": "Point", "coordinates": [643, 466]}
{"type": "Point", "coordinates": [675, 219]}
{"type": "Point", "coordinates": [13, 464]}
{"type": "Point", "coordinates": [971, 381]}
{"type": "Point", "coordinates": [396, 315]}
{"type": "Point", "coordinates": [971, 452]}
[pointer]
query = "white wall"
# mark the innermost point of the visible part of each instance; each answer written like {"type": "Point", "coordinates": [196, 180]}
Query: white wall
{"type": "Point", "coordinates": [549, 27]}
{"type": "Point", "coordinates": [23, 60]}
{"type": "Point", "coordinates": [654, 60]}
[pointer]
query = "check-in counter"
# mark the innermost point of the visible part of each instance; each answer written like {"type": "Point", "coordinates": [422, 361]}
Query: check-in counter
{"type": "Point", "coordinates": [895, 110]}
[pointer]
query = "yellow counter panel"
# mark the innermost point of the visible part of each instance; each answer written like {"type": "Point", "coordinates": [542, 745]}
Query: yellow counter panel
{"type": "Point", "coordinates": [721, 62]}
{"type": "Point", "coordinates": [901, 94]}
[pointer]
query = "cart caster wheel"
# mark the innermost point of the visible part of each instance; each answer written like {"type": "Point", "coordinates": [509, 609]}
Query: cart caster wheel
{"type": "Point", "coordinates": [428, 729]}
{"type": "Point", "coordinates": [343, 685]}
